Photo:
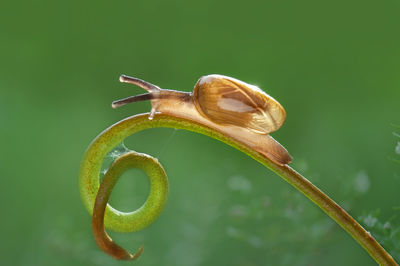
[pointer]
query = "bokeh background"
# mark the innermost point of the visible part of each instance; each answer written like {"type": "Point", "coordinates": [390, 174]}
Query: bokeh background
{"type": "Point", "coordinates": [333, 65]}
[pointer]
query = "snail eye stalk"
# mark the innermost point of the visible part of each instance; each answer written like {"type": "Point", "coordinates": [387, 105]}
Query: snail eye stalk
{"type": "Point", "coordinates": [138, 82]}
{"type": "Point", "coordinates": [131, 99]}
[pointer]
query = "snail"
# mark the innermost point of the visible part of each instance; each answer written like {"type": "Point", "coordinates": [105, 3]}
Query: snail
{"type": "Point", "coordinates": [238, 109]}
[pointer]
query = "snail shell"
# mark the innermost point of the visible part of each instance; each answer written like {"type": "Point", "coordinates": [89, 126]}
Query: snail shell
{"type": "Point", "coordinates": [229, 101]}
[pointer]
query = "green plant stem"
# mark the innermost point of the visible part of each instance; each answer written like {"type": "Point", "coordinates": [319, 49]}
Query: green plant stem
{"type": "Point", "coordinates": [126, 222]}
{"type": "Point", "coordinates": [146, 214]}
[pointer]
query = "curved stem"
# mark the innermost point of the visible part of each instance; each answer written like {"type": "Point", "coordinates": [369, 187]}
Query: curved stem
{"type": "Point", "coordinates": [125, 222]}
{"type": "Point", "coordinates": [154, 203]}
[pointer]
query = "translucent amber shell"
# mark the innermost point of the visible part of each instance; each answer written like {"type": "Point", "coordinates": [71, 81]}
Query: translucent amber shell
{"type": "Point", "coordinates": [229, 101]}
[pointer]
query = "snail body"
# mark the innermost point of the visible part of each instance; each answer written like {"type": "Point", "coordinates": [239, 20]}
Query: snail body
{"type": "Point", "coordinates": [234, 107]}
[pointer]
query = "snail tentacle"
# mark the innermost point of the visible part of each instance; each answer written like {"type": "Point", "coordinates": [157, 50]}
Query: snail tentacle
{"type": "Point", "coordinates": [131, 99]}
{"type": "Point", "coordinates": [139, 82]}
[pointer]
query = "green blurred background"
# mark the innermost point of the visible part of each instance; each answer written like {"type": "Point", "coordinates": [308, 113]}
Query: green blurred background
{"type": "Point", "coordinates": [333, 65]}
